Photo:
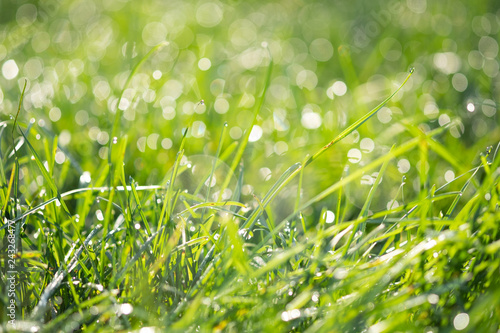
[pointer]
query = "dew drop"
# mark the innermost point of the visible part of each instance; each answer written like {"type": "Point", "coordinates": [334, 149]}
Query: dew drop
{"type": "Point", "coordinates": [412, 69]}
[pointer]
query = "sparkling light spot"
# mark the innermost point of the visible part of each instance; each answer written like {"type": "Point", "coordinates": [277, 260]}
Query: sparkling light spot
{"type": "Point", "coordinates": [321, 49]}
{"type": "Point", "coordinates": [85, 177]}
{"type": "Point", "coordinates": [255, 134]}
{"type": "Point", "coordinates": [354, 155]}
{"type": "Point", "coordinates": [447, 62]}
{"type": "Point", "coordinates": [126, 309]}
{"type": "Point", "coordinates": [141, 144]}
{"type": "Point", "coordinates": [403, 165]}
{"type": "Point", "coordinates": [290, 315]}
{"type": "Point", "coordinates": [449, 176]}
{"type": "Point", "coordinates": [311, 120]}
{"type": "Point", "coordinates": [433, 298]}
{"type": "Point", "coordinates": [392, 204]}
{"type": "Point", "coordinates": [235, 133]}
{"type": "Point", "coordinates": [330, 216]}
{"type": "Point", "coordinates": [221, 105]}
{"type": "Point", "coordinates": [166, 143]}
{"type": "Point", "coordinates": [55, 114]}
{"type": "Point", "coordinates": [198, 129]}
{"type": "Point", "coordinates": [488, 108]}
{"type": "Point", "coordinates": [488, 47]}
{"type": "Point", "coordinates": [154, 33]}
{"type": "Point", "coordinates": [157, 74]}
{"type": "Point", "coordinates": [280, 147]}
{"type": "Point", "coordinates": [265, 173]}
{"type": "Point", "coordinates": [209, 14]}
{"type": "Point", "coordinates": [60, 157]}
{"type": "Point", "coordinates": [307, 79]}
{"type": "Point", "coordinates": [204, 64]}
{"type": "Point", "coordinates": [339, 88]}
{"type": "Point", "coordinates": [152, 141]}
{"type": "Point", "coordinates": [384, 115]}
{"type": "Point", "coordinates": [10, 69]}
{"type": "Point", "coordinates": [367, 145]}
{"type": "Point", "coordinates": [443, 119]}
{"type": "Point", "coordinates": [459, 82]}
{"type": "Point", "coordinates": [461, 321]}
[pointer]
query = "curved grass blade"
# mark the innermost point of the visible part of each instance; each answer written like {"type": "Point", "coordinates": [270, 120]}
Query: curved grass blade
{"type": "Point", "coordinates": [358, 173]}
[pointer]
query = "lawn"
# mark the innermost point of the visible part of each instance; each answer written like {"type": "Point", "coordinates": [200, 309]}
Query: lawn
{"type": "Point", "coordinates": [283, 166]}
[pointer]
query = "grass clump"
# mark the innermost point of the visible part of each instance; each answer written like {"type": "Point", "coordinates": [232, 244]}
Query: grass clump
{"type": "Point", "coordinates": [169, 256]}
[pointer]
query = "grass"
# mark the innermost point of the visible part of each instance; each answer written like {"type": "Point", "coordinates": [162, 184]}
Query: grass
{"type": "Point", "coordinates": [253, 215]}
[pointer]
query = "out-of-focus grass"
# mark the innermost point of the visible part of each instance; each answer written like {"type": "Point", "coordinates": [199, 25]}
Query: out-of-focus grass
{"type": "Point", "coordinates": [181, 143]}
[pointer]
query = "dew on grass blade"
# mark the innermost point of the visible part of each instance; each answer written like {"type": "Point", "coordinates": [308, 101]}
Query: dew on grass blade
{"type": "Point", "coordinates": [412, 70]}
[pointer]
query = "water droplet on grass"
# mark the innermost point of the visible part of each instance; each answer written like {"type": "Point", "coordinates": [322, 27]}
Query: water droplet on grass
{"type": "Point", "coordinates": [412, 70]}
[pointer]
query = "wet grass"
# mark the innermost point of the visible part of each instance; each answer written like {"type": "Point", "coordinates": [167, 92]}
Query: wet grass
{"type": "Point", "coordinates": [222, 265]}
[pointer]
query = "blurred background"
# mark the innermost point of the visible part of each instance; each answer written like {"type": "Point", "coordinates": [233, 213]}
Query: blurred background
{"type": "Point", "coordinates": [333, 61]}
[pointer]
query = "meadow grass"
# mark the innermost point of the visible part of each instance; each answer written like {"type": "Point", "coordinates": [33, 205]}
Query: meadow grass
{"type": "Point", "coordinates": [238, 269]}
{"type": "Point", "coordinates": [225, 230]}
